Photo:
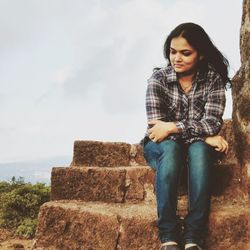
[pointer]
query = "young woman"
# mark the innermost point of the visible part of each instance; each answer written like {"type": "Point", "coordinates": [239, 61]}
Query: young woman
{"type": "Point", "coordinates": [185, 102]}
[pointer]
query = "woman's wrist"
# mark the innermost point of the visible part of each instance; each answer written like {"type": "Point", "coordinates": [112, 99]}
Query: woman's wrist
{"type": "Point", "coordinates": [177, 127]}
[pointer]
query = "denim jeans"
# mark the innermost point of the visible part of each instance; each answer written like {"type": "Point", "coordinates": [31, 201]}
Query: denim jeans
{"type": "Point", "coordinates": [168, 158]}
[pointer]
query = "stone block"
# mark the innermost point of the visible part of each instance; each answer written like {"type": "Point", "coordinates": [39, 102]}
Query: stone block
{"type": "Point", "coordinates": [101, 154]}
{"type": "Point", "coordinates": [119, 184]}
{"type": "Point", "coordinates": [227, 182]}
{"type": "Point", "coordinates": [228, 226]}
{"type": "Point", "coordinates": [89, 225]}
{"type": "Point", "coordinates": [139, 184]}
{"type": "Point", "coordinates": [70, 226]}
{"type": "Point", "coordinates": [88, 184]}
{"type": "Point", "coordinates": [228, 134]}
{"type": "Point", "coordinates": [133, 184]}
{"type": "Point", "coordinates": [241, 100]}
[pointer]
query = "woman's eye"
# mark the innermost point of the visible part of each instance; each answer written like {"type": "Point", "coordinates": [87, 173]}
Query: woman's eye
{"type": "Point", "coordinates": [172, 52]}
{"type": "Point", "coordinates": [187, 53]}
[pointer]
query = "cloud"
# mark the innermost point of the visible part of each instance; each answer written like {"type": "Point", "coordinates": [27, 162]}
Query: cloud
{"type": "Point", "coordinates": [24, 21]}
{"type": "Point", "coordinates": [1, 100]}
{"type": "Point", "coordinates": [62, 75]}
{"type": "Point", "coordinates": [117, 59]}
{"type": "Point", "coordinates": [71, 67]}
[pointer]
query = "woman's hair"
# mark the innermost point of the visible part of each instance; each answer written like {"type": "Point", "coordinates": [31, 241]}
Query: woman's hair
{"type": "Point", "coordinates": [199, 40]}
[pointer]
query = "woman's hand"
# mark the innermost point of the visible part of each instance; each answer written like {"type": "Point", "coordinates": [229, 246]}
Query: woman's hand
{"type": "Point", "coordinates": [218, 142]}
{"type": "Point", "coordinates": [161, 130]}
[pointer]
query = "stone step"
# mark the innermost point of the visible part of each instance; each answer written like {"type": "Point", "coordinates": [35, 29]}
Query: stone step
{"type": "Point", "coordinates": [95, 225]}
{"type": "Point", "coordinates": [113, 154]}
{"type": "Point", "coordinates": [119, 184]}
{"type": "Point", "coordinates": [130, 184]}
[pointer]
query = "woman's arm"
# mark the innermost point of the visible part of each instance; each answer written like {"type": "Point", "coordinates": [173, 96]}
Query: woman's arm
{"type": "Point", "coordinates": [161, 130]}
{"type": "Point", "coordinates": [218, 142]}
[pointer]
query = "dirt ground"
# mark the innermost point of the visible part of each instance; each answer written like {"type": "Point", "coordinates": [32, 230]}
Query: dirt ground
{"type": "Point", "coordinates": [9, 241]}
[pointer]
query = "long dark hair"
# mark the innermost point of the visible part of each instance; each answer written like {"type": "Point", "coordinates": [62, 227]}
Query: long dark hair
{"type": "Point", "coordinates": [199, 40]}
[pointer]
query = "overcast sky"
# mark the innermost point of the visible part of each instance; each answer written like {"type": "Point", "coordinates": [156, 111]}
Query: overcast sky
{"type": "Point", "coordinates": [78, 69]}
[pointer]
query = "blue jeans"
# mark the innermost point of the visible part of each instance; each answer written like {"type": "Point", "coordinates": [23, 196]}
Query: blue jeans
{"type": "Point", "coordinates": [167, 158]}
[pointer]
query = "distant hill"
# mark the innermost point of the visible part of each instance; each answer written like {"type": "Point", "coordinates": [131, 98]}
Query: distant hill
{"type": "Point", "coordinates": [33, 171]}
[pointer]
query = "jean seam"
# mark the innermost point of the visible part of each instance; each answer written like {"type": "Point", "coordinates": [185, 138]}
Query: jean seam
{"type": "Point", "coordinates": [188, 189]}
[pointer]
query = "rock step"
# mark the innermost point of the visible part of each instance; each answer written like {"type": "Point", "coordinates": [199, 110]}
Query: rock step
{"type": "Point", "coordinates": [112, 154]}
{"type": "Point", "coordinates": [130, 184]}
{"type": "Point", "coordinates": [95, 225]}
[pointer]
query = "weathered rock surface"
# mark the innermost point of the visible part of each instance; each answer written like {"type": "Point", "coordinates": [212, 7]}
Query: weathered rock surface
{"type": "Point", "coordinates": [134, 184]}
{"type": "Point", "coordinates": [101, 154]}
{"type": "Point", "coordinates": [102, 184]}
{"type": "Point", "coordinates": [95, 225]}
{"type": "Point", "coordinates": [241, 98]}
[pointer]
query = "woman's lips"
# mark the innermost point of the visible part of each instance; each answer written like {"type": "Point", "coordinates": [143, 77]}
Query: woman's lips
{"type": "Point", "coordinates": [178, 65]}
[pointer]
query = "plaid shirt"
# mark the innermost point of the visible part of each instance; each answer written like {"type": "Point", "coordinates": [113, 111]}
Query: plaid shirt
{"type": "Point", "coordinates": [196, 115]}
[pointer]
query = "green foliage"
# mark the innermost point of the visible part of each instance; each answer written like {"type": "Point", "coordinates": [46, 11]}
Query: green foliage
{"type": "Point", "coordinates": [20, 203]}
{"type": "Point", "coordinates": [27, 228]}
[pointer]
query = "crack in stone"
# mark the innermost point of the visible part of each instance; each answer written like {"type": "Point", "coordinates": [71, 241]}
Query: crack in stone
{"type": "Point", "coordinates": [117, 246]}
{"type": "Point", "coordinates": [132, 154]}
{"type": "Point", "coordinates": [144, 194]}
{"type": "Point", "coordinates": [127, 184]}
{"type": "Point", "coordinates": [148, 188]}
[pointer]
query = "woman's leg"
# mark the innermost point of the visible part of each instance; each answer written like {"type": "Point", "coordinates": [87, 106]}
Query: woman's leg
{"type": "Point", "coordinates": [166, 158]}
{"type": "Point", "coordinates": [200, 163]}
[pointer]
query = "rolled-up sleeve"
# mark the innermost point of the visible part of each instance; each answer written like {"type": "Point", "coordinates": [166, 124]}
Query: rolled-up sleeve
{"type": "Point", "coordinates": [155, 101]}
{"type": "Point", "coordinates": [211, 122]}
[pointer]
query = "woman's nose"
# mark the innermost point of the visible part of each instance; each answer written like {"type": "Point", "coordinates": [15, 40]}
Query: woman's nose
{"type": "Point", "coordinates": [178, 58]}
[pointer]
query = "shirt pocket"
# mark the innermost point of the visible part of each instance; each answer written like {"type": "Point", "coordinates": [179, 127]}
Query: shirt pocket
{"type": "Point", "coordinates": [198, 109]}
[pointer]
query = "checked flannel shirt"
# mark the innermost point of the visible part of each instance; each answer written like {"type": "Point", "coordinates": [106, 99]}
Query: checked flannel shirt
{"type": "Point", "coordinates": [197, 114]}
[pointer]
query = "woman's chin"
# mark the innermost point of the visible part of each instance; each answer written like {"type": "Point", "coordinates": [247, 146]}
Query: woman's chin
{"type": "Point", "coordinates": [183, 71]}
{"type": "Point", "coordinates": [179, 70]}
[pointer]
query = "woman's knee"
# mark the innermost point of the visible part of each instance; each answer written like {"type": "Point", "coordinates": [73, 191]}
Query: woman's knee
{"type": "Point", "coordinates": [163, 152]}
{"type": "Point", "coordinates": [170, 159]}
{"type": "Point", "coordinates": [171, 150]}
{"type": "Point", "coordinates": [200, 152]}
{"type": "Point", "coordinates": [151, 154]}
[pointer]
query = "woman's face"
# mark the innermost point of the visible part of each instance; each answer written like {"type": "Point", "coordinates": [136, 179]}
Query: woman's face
{"type": "Point", "coordinates": [183, 57]}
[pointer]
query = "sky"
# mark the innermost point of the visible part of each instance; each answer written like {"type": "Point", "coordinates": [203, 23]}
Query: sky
{"type": "Point", "coordinates": [78, 69]}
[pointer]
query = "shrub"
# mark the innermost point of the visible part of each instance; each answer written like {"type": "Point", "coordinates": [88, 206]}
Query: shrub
{"type": "Point", "coordinates": [20, 203]}
{"type": "Point", "coordinates": [27, 228]}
